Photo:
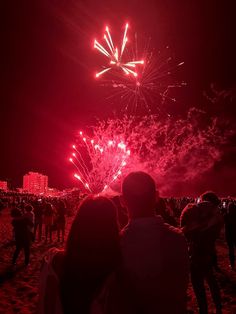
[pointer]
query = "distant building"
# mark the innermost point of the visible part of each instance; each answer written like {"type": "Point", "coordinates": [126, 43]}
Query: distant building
{"type": "Point", "coordinates": [35, 183]}
{"type": "Point", "coordinates": [3, 185]}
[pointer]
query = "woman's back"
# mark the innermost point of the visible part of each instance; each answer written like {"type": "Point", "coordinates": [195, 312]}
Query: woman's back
{"type": "Point", "coordinates": [92, 253]}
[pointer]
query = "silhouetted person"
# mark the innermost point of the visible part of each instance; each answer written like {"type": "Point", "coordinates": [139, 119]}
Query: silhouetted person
{"type": "Point", "coordinates": [29, 215]}
{"type": "Point", "coordinates": [60, 220]}
{"type": "Point", "coordinates": [161, 210]}
{"type": "Point", "coordinates": [230, 231]}
{"type": "Point", "coordinates": [154, 274]}
{"type": "Point", "coordinates": [38, 224]}
{"type": "Point", "coordinates": [48, 221]}
{"type": "Point", "coordinates": [201, 224]}
{"type": "Point", "coordinates": [76, 275]}
{"type": "Point", "coordinates": [22, 235]}
{"type": "Point", "coordinates": [2, 205]}
{"type": "Point", "coordinates": [214, 200]}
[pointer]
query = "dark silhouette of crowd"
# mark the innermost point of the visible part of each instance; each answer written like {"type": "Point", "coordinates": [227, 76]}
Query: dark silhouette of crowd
{"type": "Point", "coordinates": [132, 253]}
{"type": "Point", "coordinates": [34, 220]}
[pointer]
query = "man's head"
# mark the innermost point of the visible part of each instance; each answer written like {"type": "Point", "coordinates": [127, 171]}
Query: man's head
{"type": "Point", "coordinates": [210, 197]}
{"type": "Point", "coordinates": [139, 194]}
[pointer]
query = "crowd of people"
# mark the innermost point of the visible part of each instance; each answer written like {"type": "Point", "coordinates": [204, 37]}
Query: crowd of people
{"type": "Point", "coordinates": [28, 223]}
{"type": "Point", "coordinates": [132, 253]}
{"type": "Point", "coordinates": [35, 219]}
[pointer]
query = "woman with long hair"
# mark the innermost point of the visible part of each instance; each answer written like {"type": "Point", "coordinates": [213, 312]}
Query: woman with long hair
{"type": "Point", "coordinates": [91, 254]}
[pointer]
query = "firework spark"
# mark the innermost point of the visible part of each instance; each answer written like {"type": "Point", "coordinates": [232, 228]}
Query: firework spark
{"type": "Point", "coordinates": [115, 55]}
{"type": "Point", "coordinates": [152, 88]}
{"type": "Point", "coordinates": [99, 163]}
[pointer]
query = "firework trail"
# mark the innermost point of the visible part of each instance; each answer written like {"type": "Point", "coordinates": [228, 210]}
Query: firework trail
{"type": "Point", "coordinates": [99, 163]}
{"type": "Point", "coordinates": [149, 88]}
{"type": "Point", "coordinates": [115, 55]}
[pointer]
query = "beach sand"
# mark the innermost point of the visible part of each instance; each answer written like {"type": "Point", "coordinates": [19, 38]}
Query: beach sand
{"type": "Point", "coordinates": [19, 287]}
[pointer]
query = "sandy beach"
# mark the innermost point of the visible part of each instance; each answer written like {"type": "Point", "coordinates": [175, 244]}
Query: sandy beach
{"type": "Point", "coordinates": [19, 287]}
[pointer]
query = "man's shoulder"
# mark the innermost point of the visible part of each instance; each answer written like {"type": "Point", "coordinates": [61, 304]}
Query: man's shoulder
{"type": "Point", "coordinates": [143, 222]}
{"type": "Point", "coordinates": [151, 224]}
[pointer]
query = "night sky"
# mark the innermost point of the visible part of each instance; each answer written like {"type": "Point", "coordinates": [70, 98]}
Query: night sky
{"type": "Point", "coordinates": [48, 91]}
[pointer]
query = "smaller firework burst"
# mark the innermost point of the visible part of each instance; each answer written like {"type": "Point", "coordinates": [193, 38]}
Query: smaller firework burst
{"type": "Point", "coordinates": [116, 55]}
{"type": "Point", "coordinates": [152, 88]}
{"type": "Point", "coordinates": [99, 163]}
